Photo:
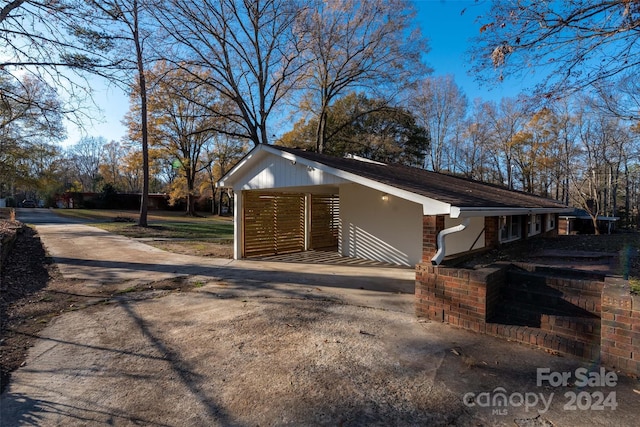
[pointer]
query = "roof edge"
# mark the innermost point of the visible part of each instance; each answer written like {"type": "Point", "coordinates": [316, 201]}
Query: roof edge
{"type": "Point", "coordinates": [462, 212]}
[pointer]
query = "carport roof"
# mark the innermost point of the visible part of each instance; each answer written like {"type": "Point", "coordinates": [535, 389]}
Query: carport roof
{"type": "Point", "coordinates": [466, 197]}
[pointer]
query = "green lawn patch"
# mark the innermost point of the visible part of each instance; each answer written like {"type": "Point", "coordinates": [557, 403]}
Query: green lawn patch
{"type": "Point", "coordinates": [209, 230]}
{"type": "Point", "coordinates": [162, 224]}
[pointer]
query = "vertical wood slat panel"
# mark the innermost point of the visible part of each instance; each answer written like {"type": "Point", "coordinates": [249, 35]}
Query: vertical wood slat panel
{"type": "Point", "coordinates": [325, 221]}
{"type": "Point", "coordinates": [273, 223]}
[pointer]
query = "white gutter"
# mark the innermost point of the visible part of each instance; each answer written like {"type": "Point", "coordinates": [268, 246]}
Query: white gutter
{"type": "Point", "coordinates": [457, 212]}
{"type": "Point", "coordinates": [439, 256]}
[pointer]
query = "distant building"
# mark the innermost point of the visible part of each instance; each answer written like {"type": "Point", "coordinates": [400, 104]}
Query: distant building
{"type": "Point", "coordinates": [579, 222]}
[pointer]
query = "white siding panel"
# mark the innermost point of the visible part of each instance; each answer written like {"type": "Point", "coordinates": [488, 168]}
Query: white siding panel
{"type": "Point", "coordinates": [372, 228]}
{"type": "Point", "coordinates": [471, 237]}
{"type": "Point", "coordinates": [277, 173]}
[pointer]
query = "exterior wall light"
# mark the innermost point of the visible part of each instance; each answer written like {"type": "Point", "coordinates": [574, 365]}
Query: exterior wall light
{"type": "Point", "coordinates": [385, 197]}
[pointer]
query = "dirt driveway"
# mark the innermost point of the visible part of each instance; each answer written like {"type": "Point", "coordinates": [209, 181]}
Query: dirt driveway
{"type": "Point", "coordinates": [271, 344]}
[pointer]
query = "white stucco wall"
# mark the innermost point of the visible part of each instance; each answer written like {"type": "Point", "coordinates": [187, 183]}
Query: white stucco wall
{"type": "Point", "coordinates": [462, 241]}
{"type": "Point", "coordinates": [372, 228]}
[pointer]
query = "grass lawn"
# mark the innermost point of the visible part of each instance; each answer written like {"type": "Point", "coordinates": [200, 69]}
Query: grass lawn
{"type": "Point", "coordinates": [203, 236]}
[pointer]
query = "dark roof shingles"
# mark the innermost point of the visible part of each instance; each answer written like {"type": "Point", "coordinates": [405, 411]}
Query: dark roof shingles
{"type": "Point", "coordinates": [456, 191]}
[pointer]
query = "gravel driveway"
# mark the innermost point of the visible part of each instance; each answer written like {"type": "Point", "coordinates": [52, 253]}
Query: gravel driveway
{"type": "Point", "coordinates": [267, 344]}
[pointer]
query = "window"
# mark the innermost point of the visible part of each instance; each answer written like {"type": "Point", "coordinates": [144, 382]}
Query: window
{"type": "Point", "coordinates": [510, 228]}
{"type": "Point", "coordinates": [551, 221]}
{"type": "Point", "coordinates": [534, 224]}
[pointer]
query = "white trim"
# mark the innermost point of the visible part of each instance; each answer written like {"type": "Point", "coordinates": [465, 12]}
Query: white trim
{"type": "Point", "coordinates": [238, 225]}
{"type": "Point", "coordinates": [462, 212]}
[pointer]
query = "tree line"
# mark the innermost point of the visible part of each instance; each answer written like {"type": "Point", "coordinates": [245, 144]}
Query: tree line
{"type": "Point", "coordinates": [209, 79]}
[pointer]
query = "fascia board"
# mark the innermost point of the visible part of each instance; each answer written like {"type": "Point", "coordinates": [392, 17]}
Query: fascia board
{"type": "Point", "coordinates": [462, 212]}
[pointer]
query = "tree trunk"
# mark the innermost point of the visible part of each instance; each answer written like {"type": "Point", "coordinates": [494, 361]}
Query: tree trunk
{"type": "Point", "coordinates": [321, 132]}
{"type": "Point", "coordinates": [144, 200]}
{"type": "Point", "coordinates": [191, 201]}
{"type": "Point", "coordinates": [627, 195]}
{"type": "Point", "coordinates": [594, 220]}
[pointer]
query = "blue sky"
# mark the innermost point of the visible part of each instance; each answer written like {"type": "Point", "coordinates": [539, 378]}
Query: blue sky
{"type": "Point", "coordinates": [449, 33]}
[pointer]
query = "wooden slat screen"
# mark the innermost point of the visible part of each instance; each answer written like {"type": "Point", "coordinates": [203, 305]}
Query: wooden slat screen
{"type": "Point", "coordinates": [325, 221]}
{"type": "Point", "coordinates": [273, 223]}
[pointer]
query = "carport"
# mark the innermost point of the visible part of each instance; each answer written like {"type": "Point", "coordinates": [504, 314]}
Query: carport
{"type": "Point", "coordinates": [276, 223]}
{"type": "Point", "coordinates": [286, 202]}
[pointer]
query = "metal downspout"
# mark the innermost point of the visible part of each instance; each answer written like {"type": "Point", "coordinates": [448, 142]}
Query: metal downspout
{"type": "Point", "coordinates": [439, 256]}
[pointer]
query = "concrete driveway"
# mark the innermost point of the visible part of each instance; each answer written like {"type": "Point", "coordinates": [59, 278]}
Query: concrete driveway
{"type": "Point", "coordinates": [95, 256]}
{"type": "Point", "coordinates": [267, 343]}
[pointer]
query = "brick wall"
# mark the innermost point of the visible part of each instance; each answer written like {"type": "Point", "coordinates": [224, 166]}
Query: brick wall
{"type": "Point", "coordinates": [620, 331]}
{"type": "Point", "coordinates": [491, 231]}
{"type": "Point", "coordinates": [470, 298]}
{"type": "Point", "coordinates": [461, 297]}
{"type": "Point", "coordinates": [431, 226]}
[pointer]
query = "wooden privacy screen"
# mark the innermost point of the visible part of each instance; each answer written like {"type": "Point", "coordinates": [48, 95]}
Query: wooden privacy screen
{"type": "Point", "coordinates": [273, 223]}
{"type": "Point", "coordinates": [325, 221]}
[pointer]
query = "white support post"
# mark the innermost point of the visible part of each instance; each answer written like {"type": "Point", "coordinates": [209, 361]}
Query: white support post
{"type": "Point", "coordinates": [238, 225]}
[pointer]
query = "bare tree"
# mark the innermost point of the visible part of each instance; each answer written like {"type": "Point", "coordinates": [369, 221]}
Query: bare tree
{"type": "Point", "coordinates": [30, 116]}
{"type": "Point", "coordinates": [248, 50]}
{"type": "Point", "coordinates": [38, 39]}
{"type": "Point", "coordinates": [86, 157]}
{"type": "Point", "coordinates": [474, 161]}
{"type": "Point", "coordinates": [603, 143]}
{"type": "Point", "coordinates": [505, 120]}
{"type": "Point", "coordinates": [112, 155]}
{"type": "Point", "coordinates": [575, 43]}
{"type": "Point", "coordinates": [353, 45]}
{"type": "Point", "coordinates": [440, 107]}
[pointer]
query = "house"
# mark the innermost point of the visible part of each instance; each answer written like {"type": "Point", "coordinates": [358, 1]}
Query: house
{"type": "Point", "coordinates": [290, 200]}
{"type": "Point", "coordinates": [579, 221]}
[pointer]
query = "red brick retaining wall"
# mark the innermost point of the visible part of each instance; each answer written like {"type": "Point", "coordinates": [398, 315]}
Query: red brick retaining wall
{"type": "Point", "coordinates": [461, 297]}
{"type": "Point", "coordinates": [468, 298]}
{"type": "Point", "coordinates": [620, 337]}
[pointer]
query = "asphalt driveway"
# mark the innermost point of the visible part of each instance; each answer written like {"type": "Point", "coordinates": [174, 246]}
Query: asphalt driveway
{"type": "Point", "coordinates": [268, 343]}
